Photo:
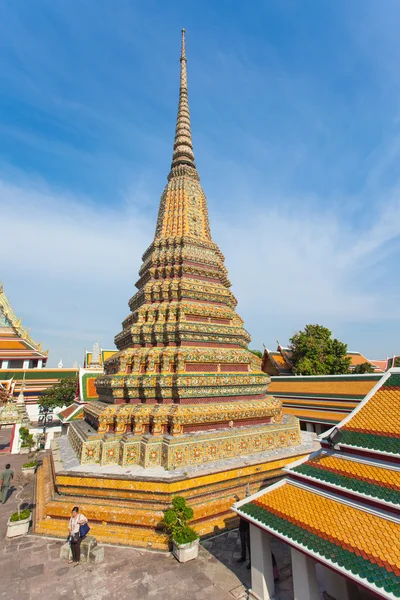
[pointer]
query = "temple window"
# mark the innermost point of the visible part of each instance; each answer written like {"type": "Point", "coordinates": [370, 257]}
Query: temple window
{"type": "Point", "coordinates": [15, 364]}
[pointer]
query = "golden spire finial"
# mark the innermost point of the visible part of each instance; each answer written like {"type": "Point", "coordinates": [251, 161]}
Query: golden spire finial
{"type": "Point", "coordinates": [183, 51]}
{"type": "Point", "coordinates": [183, 147]}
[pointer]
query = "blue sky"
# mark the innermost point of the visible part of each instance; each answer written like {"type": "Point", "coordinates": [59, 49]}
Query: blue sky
{"type": "Point", "coordinates": [295, 121]}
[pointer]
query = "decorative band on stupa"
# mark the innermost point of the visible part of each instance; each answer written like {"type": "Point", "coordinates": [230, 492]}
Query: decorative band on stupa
{"type": "Point", "coordinates": [183, 349]}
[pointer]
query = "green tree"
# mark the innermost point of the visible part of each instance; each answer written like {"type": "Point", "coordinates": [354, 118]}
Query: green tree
{"type": "Point", "coordinates": [257, 352]}
{"type": "Point", "coordinates": [365, 367]}
{"type": "Point", "coordinates": [60, 394]}
{"type": "Point", "coordinates": [27, 440]}
{"type": "Point", "coordinates": [314, 352]}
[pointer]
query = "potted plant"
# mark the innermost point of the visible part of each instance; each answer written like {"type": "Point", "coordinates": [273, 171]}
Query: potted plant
{"type": "Point", "coordinates": [29, 467]}
{"type": "Point", "coordinates": [18, 523]}
{"type": "Point", "coordinates": [185, 540]}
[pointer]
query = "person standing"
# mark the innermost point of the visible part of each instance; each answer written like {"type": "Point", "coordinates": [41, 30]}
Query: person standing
{"type": "Point", "coordinates": [244, 533]}
{"type": "Point", "coordinates": [77, 519]}
{"type": "Point", "coordinates": [6, 476]}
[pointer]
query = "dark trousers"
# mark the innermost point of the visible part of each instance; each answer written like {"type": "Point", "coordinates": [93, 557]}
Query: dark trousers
{"type": "Point", "coordinates": [76, 550]}
{"type": "Point", "coordinates": [4, 493]}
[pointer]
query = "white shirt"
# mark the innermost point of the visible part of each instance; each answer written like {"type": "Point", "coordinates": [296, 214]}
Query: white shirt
{"type": "Point", "coordinates": [75, 522]}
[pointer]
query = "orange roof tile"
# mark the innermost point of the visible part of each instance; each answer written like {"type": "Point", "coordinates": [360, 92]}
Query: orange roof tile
{"type": "Point", "coordinates": [357, 359]}
{"type": "Point", "coordinates": [347, 386]}
{"type": "Point", "coordinates": [318, 415]}
{"type": "Point", "coordinates": [379, 538]}
{"type": "Point", "coordinates": [381, 364]}
{"type": "Point", "coordinates": [381, 414]}
{"type": "Point", "coordinates": [279, 360]}
{"type": "Point", "coordinates": [8, 345]}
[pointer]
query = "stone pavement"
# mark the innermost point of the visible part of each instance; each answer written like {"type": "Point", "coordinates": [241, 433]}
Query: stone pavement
{"type": "Point", "coordinates": [16, 461]}
{"type": "Point", "coordinates": [226, 548]}
{"type": "Point", "coordinates": [5, 438]}
{"type": "Point", "coordinates": [31, 569]}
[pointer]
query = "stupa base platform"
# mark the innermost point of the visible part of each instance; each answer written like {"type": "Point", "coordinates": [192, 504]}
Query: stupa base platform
{"type": "Point", "coordinates": [187, 449]}
{"type": "Point", "coordinates": [125, 507]}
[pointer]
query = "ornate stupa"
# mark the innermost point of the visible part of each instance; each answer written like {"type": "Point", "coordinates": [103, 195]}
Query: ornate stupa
{"type": "Point", "coordinates": [183, 388]}
{"type": "Point", "coordinates": [14, 412]}
{"type": "Point", "coordinates": [182, 393]}
{"type": "Point", "coordinates": [8, 411]}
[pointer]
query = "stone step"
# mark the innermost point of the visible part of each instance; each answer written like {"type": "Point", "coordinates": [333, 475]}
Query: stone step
{"type": "Point", "coordinates": [87, 545]}
{"type": "Point", "coordinates": [96, 555]}
{"type": "Point", "coordinates": [90, 551]}
{"type": "Point", "coordinates": [109, 533]}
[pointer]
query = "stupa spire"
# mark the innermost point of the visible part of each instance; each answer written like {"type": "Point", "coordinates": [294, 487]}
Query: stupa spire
{"type": "Point", "coordinates": [183, 146]}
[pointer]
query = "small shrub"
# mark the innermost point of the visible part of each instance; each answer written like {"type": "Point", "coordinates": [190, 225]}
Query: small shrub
{"type": "Point", "coordinates": [24, 514]}
{"type": "Point", "coordinates": [176, 519]}
{"type": "Point", "coordinates": [185, 535]}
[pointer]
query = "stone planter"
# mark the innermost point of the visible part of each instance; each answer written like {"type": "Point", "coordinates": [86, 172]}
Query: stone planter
{"type": "Point", "coordinates": [185, 552]}
{"type": "Point", "coordinates": [18, 528]}
{"type": "Point", "coordinates": [24, 450]}
{"type": "Point", "coordinates": [28, 470]}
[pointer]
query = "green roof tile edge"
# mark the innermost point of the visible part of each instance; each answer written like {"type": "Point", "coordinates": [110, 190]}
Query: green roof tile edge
{"type": "Point", "coordinates": [38, 374]}
{"type": "Point", "coordinates": [393, 381]}
{"type": "Point", "coordinates": [353, 483]}
{"type": "Point", "coordinates": [370, 441]}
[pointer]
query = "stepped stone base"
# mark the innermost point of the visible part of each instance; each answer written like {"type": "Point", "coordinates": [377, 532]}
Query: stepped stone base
{"type": "Point", "coordinates": [90, 551]}
{"type": "Point", "coordinates": [128, 508]}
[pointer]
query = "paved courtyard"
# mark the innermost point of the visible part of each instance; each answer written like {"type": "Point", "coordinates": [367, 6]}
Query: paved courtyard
{"type": "Point", "coordinates": [31, 569]}
{"type": "Point", "coordinates": [5, 437]}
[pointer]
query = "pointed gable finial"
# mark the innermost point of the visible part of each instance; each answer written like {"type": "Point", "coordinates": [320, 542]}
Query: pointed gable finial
{"type": "Point", "coordinates": [183, 146]}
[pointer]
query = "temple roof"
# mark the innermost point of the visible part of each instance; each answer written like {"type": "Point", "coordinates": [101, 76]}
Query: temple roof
{"type": "Point", "coordinates": [278, 362]}
{"type": "Point", "coordinates": [15, 341]}
{"type": "Point", "coordinates": [375, 425]}
{"type": "Point", "coordinates": [381, 364]}
{"type": "Point", "coordinates": [330, 386]}
{"type": "Point", "coordinates": [342, 505]}
{"type": "Point", "coordinates": [322, 398]}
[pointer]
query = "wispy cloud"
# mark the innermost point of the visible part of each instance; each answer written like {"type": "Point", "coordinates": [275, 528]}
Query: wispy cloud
{"type": "Point", "coordinates": [73, 265]}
